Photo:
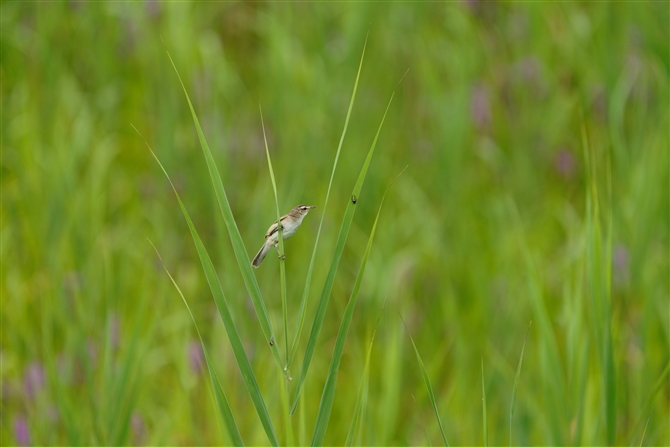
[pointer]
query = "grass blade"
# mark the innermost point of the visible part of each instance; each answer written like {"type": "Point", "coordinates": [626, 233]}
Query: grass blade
{"type": "Point", "coordinates": [551, 365]}
{"type": "Point", "coordinates": [222, 306]}
{"type": "Point", "coordinates": [302, 430]}
{"type": "Point", "coordinates": [235, 238]}
{"type": "Point", "coordinates": [308, 280]}
{"type": "Point", "coordinates": [646, 408]}
{"type": "Point", "coordinates": [423, 424]}
{"type": "Point", "coordinates": [426, 380]}
{"type": "Point", "coordinates": [280, 232]}
{"type": "Point", "coordinates": [359, 398]}
{"type": "Point", "coordinates": [326, 405]}
{"type": "Point", "coordinates": [339, 248]}
{"type": "Point", "coordinates": [645, 431]}
{"type": "Point", "coordinates": [582, 400]}
{"type": "Point", "coordinates": [599, 274]}
{"type": "Point", "coordinates": [224, 408]}
{"type": "Point", "coordinates": [486, 424]}
{"type": "Point", "coordinates": [516, 384]}
{"type": "Point", "coordinates": [289, 437]}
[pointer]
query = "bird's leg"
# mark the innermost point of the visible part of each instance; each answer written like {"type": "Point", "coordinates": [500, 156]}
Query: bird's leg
{"type": "Point", "coordinates": [281, 256]}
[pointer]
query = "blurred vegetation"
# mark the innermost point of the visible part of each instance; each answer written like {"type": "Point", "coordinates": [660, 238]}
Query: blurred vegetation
{"type": "Point", "coordinates": [536, 136]}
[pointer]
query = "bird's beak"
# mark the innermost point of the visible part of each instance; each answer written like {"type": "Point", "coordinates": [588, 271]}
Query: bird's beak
{"type": "Point", "coordinates": [311, 207]}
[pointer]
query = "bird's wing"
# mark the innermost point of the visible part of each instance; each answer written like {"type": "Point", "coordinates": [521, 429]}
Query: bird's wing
{"type": "Point", "coordinates": [274, 227]}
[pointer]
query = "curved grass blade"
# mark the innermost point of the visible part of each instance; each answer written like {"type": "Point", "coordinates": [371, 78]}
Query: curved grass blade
{"type": "Point", "coordinates": [222, 306]}
{"type": "Point", "coordinates": [235, 238]}
{"type": "Point", "coordinates": [359, 398]}
{"type": "Point", "coordinates": [429, 387]}
{"type": "Point", "coordinates": [224, 408]}
{"type": "Point", "coordinates": [486, 424]}
{"type": "Point", "coordinates": [339, 248]}
{"type": "Point", "coordinates": [282, 265]}
{"type": "Point", "coordinates": [516, 384]}
{"type": "Point", "coordinates": [308, 280]}
{"type": "Point", "coordinates": [326, 405]}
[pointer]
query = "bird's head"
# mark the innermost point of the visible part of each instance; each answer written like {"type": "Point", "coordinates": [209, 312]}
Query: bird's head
{"type": "Point", "coordinates": [302, 210]}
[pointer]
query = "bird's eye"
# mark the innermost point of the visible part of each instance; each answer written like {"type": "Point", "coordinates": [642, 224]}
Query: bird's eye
{"type": "Point", "coordinates": [303, 208]}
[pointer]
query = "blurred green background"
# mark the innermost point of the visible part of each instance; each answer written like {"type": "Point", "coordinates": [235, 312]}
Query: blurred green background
{"type": "Point", "coordinates": [504, 216]}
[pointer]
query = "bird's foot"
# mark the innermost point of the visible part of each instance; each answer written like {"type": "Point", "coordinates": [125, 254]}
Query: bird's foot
{"type": "Point", "coordinates": [282, 257]}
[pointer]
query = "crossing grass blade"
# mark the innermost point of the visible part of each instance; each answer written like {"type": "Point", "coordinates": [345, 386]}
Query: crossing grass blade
{"type": "Point", "coordinates": [339, 248]}
{"type": "Point", "coordinates": [326, 405]}
{"type": "Point", "coordinates": [646, 408]}
{"type": "Point", "coordinates": [224, 311]}
{"type": "Point", "coordinates": [308, 280]}
{"type": "Point", "coordinates": [423, 424]}
{"type": "Point", "coordinates": [486, 424]}
{"type": "Point", "coordinates": [280, 232]}
{"type": "Point", "coordinates": [221, 401]}
{"type": "Point", "coordinates": [645, 431]}
{"type": "Point", "coordinates": [516, 384]}
{"type": "Point", "coordinates": [355, 418]}
{"type": "Point", "coordinates": [235, 237]}
{"type": "Point", "coordinates": [429, 387]}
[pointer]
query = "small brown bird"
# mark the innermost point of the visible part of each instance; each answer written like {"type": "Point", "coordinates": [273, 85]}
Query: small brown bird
{"type": "Point", "coordinates": [289, 225]}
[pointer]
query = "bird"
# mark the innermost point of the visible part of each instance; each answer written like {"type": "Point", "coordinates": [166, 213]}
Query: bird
{"type": "Point", "coordinates": [289, 225]}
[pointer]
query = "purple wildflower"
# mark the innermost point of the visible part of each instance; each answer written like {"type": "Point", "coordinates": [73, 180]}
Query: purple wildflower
{"type": "Point", "coordinates": [620, 264]}
{"type": "Point", "coordinates": [196, 357]}
{"type": "Point", "coordinates": [92, 351]}
{"type": "Point", "coordinates": [564, 163]}
{"type": "Point", "coordinates": [21, 431]}
{"type": "Point", "coordinates": [153, 8]}
{"type": "Point", "coordinates": [480, 107]}
{"type": "Point", "coordinates": [138, 428]}
{"type": "Point", "coordinates": [34, 379]}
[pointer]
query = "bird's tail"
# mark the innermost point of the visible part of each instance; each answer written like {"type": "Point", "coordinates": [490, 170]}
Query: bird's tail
{"type": "Point", "coordinates": [262, 253]}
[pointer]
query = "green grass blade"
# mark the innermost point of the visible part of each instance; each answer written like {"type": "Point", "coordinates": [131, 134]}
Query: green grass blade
{"type": "Point", "coordinates": [599, 273]}
{"type": "Point", "coordinates": [235, 237]}
{"type": "Point", "coordinates": [308, 280]}
{"type": "Point", "coordinates": [339, 248]}
{"type": "Point", "coordinates": [326, 405]}
{"type": "Point", "coordinates": [224, 408]}
{"type": "Point", "coordinates": [123, 386]}
{"type": "Point", "coordinates": [579, 425]}
{"type": "Point", "coordinates": [429, 387]}
{"type": "Point", "coordinates": [644, 432]}
{"type": "Point", "coordinates": [423, 424]}
{"type": "Point", "coordinates": [486, 424]}
{"type": "Point", "coordinates": [646, 408]}
{"type": "Point", "coordinates": [359, 397]}
{"type": "Point", "coordinates": [516, 384]}
{"type": "Point", "coordinates": [302, 425]}
{"type": "Point", "coordinates": [282, 265]}
{"type": "Point", "coordinates": [611, 369]}
{"type": "Point", "coordinates": [224, 311]}
{"type": "Point", "coordinates": [289, 436]}
{"type": "Point", "coordinates": [552, 365]}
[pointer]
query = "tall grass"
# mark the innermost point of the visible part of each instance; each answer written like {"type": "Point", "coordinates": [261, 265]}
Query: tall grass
{"type": "Point", "coordinates": [506, 214]}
